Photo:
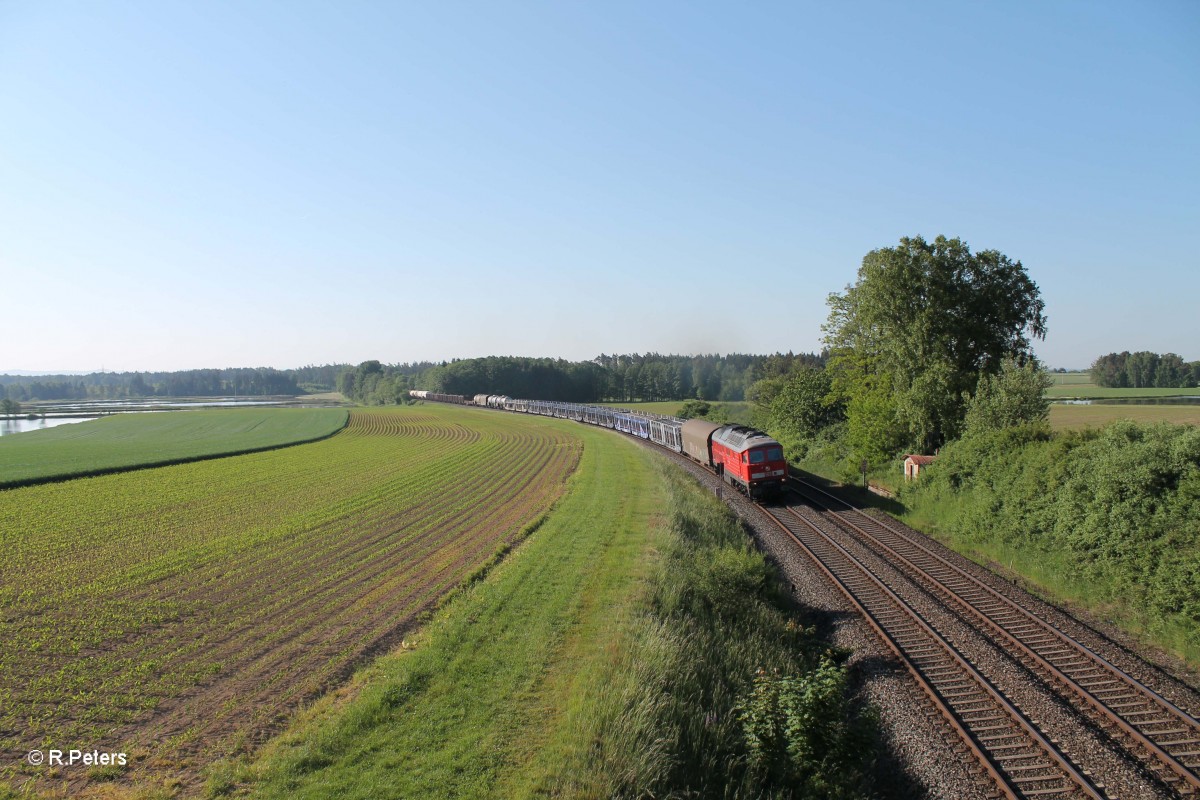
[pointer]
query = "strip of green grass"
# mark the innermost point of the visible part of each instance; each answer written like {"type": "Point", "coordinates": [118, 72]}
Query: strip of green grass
{"type": "Point", "coordinates": [625, 649]}
{"type": "Point", "coordinates": [132, 441]}
{"type": "Point", "coordinates": [1091, 391]}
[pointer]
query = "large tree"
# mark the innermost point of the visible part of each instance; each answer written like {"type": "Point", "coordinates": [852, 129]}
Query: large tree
{"type": "Point", "coordinates": [911, 338]}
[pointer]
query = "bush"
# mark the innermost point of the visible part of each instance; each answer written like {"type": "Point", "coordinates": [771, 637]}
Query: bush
{"type": "Point", "coordinates": [1120, 506]}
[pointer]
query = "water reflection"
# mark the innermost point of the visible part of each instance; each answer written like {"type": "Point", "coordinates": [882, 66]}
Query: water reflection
{"type": "Point", "coordinates": [23, 425]}
{"type": "Point", "coordinates": [1183, 400]}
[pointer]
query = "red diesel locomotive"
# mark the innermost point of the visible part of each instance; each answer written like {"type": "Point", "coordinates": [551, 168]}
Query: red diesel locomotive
{"type": "Point", "coordinates": [743, 457]}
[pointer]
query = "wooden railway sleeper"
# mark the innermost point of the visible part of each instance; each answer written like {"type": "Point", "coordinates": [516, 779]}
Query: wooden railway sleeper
{"type": "Point", "coordinates": [998, 738]}
{"type": "Point", "coordinates": [1031, 768]}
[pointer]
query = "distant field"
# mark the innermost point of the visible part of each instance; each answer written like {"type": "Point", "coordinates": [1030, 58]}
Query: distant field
{"type": "Point", "coordinates": [1070, 416]}
{"type": "Point", "coordinates": [667, 407]}
{"type": "Point", "coordinates": [179, 614]}
{"type": "Point", "coordinates": [1079, 384]}
{"type": "Point", "coordinates": [125, 441]}
{"type": "Point", "coordinates": [1071, 378]}
{"type": "Point", "coordinates": [731, 411]}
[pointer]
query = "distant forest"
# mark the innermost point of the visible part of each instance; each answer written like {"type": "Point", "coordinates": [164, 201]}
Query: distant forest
{"type": "Point", "coordinates": [241, 381]}
{"type": "Point", "coordinates": [1143, 370]}
{"type": "Point", "coordinates": [620, 378]}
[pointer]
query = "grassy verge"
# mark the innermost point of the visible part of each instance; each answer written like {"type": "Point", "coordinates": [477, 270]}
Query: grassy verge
{"type": "Point", "coordinates": [633, 646]}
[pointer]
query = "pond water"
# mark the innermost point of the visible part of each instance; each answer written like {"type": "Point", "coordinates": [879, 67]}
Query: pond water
{"type": "Point", "coordinates": [21, 424]}
{"type": "Point", "coordinates": [144, 404]}
{"type": "Point", "coordinates": [52, 414]}
{"type": "Point", "coordinates": [1184, 400]}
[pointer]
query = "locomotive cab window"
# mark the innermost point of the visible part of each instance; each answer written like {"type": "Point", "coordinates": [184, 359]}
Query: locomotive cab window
{"type": "Point", "coordinates": [775, 454]}
{"type": "Point", "coordinates": [758, 456]}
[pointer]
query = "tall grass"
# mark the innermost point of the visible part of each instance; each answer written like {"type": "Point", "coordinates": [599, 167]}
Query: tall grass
{"type": "Point", "coordinates": [705, 699]}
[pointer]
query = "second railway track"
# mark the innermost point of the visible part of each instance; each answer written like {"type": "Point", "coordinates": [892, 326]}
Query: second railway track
{"type": "Point", "coordinates": [1018, 758]}
{"type": "Point", "coordinates": [1165, 737]}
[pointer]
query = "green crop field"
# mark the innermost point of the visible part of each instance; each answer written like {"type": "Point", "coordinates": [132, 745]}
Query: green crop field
{"type": "Point", "coordinates": [179, 614]}
{"type": "Point", "coordinates": [1064, 416]}
{"type": "Point", "coordinates": [126, 441]}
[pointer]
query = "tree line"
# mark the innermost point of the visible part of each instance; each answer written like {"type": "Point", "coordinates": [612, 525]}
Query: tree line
{"type": "Point", "coordinates": [1143, 369]}
{"type": "Point", "coordinates": [620, 378]}
{"type": "Point", "coordinates": [239, 381]}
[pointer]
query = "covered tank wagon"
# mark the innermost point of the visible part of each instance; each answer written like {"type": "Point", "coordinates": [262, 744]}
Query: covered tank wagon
{"type": "Point", "coordinates": [697, 440]}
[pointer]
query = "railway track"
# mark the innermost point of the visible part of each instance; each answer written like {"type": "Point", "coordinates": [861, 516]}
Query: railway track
{"type": "Point", "coordinates": [1163, 736]}
{"type": "Point", "coordinates": [1020, 761]}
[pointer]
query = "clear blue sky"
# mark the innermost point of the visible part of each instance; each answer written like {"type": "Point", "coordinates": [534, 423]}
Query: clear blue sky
{"type": "Point", "coordinates": [245, 184]}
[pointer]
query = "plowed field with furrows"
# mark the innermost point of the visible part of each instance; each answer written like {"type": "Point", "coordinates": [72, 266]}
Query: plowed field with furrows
{"type": "Point", "coordinates": [181, 613]}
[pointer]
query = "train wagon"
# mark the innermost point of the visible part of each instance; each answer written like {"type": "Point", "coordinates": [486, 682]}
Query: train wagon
{"type": "Point", "coordinates": [697, 440]}
{"type": "Point", "coordinates": [481, 399]}
{"type": "Point", "coordinates": [667, 433]}
{"type": "Point", "coordinates": [750, 460]}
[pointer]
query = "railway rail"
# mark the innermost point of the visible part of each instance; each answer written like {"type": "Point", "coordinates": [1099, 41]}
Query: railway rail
{"type": "Point", "coordinates": [1017, 757]}
{"type": "Point", "coordinates": [1165, 737]}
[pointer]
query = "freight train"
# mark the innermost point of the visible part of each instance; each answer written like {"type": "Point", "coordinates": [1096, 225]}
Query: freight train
{"type": "Point", "coordinates": [745, 458]}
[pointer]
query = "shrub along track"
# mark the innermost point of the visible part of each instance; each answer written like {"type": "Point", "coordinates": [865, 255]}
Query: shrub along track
{"type": "Point", "coordinates": [181, 614]}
